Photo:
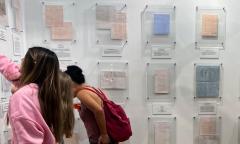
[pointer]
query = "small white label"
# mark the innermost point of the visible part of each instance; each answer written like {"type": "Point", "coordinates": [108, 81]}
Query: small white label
{"type": "Point", "coordinates": [64, 52]}
{"type": "Point", "coordinates": [161, 109]}
{"type": "Point", "coordinates": [209, 53]}
{"type": "Point", "coordinates": [208, 108]}
{"type": "Point", "coordinates": [111, 52]}
{"type": "Point", "coordinates": [161, 52]}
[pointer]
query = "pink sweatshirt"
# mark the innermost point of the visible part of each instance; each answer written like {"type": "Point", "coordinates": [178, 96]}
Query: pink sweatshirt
{"type": "Point", "coordinates": [28, 125]}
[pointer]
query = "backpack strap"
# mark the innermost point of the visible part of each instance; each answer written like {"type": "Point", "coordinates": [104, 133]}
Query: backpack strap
{"type": "Point", "coordinates": [97, 92]}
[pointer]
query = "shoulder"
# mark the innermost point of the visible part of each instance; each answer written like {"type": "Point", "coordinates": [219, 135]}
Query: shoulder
{"type": "Point", "coordinates": [25, 92]}
{"type": "Point", "coordinates": [24, 101]}
{"type": "Point", "coordinates": [88, 90]}
{"type": "Point", "coordinates": [88, 94]}
{"type": "Point", "coordinates": [83, 93]}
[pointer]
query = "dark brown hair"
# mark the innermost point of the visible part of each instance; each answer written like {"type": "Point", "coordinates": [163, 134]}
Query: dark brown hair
{"type": "Point", "coordinates": [41, 66]}
{"type": "Point", "coordinates": [67, 99]}
{"type": "Point", "coordinates": [76, 74]}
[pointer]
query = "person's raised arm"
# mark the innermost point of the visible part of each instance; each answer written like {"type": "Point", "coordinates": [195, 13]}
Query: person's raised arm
{"type": "Point", "coordinates": [9, 69]}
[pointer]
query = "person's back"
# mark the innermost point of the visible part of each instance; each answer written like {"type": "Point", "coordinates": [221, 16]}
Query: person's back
{"type": "Point", "coordinates": [25, 115]}
{"type": "Point", "coordinates": [88, 117]}
{"type": "Point", "coordinates": [35, 108]}
{"type": "Point", "coordinates": [91, 112]}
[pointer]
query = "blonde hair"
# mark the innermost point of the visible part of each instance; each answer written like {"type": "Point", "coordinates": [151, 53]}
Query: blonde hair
{"type": "Point", "coordinates": [67, 103]}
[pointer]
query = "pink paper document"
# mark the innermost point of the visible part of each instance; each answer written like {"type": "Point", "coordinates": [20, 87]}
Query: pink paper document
{"type": "Point", "coordinates": [119, 28]}
{"type": "Point", "coordinates": [64, 32]}
{"type": "Point", "coordinates": [54, 15]}
{"type": "Point", "coordinates": [161, 81]}
{"type": "Point", "coordinates": [113, 79]}
{"type": "Point", "coordinates": [162, 133]}
{"type": "Point", "coordinates": [207, 126]}
{"type": "Point", "coordinates": [209, 25]}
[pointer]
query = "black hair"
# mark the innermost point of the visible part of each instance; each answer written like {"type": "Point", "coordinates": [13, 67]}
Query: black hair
{"type": "Point", "coordinates": [76, 74]}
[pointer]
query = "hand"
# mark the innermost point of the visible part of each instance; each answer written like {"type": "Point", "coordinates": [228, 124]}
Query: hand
{"type": "Point", "coordinates": [104, 139]}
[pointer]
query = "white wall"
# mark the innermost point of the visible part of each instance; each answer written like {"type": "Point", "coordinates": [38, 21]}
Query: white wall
{"type": "Point", "coordinates": [6, 48]}
{"type": "Point", "coordinates": [185, 57]}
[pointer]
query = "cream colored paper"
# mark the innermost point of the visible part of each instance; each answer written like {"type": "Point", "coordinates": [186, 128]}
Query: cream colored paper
{"type": "Point", "coordinates": [3, 14]}
{"type": "Point", "coordinates": [118, 31]}
{"type": "Point", "coordinates": [161, 81]}
{"type": "Point", "coordinates": [209, 25]}
{"type": "Point", "coordinates": [162, 133]}
{"type": "Point", "coordinates": [113, 79]}
{"type": "Point", "coordinates": [207, 126]}
{"type": "Point", "coordinates": [64, 32]}
{"type": "Point", "coordinates": [54, 15]}
{"type": "Point", "coordinates": [104, 16]}
{"type": "Point", "coordinates": [119, 28]}
{"type": "Point", "coordinates": [18, 20]}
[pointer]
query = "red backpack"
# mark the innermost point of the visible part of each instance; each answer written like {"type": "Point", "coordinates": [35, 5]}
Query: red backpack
{"type": "Point", "coordinates": [117, 122]}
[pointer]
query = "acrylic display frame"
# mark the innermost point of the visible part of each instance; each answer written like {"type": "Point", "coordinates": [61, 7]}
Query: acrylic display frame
{"type": "Point", "coordinates": [117, 95]}
{"type": "Point", "coordinates": [68, 16]}
{"type": "Point", "coordinates": [208, 98]}
{"type": "Point", "coordinates": [111, 44]}
{"type": "Point", "coordinates": [163, 38]}
{"type": "Point", "coordinates": [211, 41]}
{"type": "Point", "coordinates": [171, 121]}
{"type": "Point", "coordinates": [150, 73]}
{"type": "Point", "coordinates": [197, 135]}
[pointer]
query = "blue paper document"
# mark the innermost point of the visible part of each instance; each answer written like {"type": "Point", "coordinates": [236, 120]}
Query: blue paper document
{"type": "Point", "coordinates": [207, 89]}
{"type": "Point", "coordinates": [161, 24]}
{"type": "Point", "coordinates": [207, 81]}
{"type": "Point", "coordinates": [207, 73]}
